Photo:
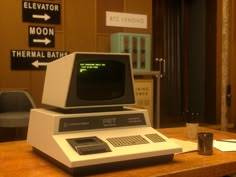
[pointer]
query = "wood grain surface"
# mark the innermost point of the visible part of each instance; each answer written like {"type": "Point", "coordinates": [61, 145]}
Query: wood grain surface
{"type": "Point", "coordinates": [17, 159]}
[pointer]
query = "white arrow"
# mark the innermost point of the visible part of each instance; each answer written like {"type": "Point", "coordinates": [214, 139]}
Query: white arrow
{"type": "Point", "coordinates": [45, 17]}
{"type": "Point", "coordinates": [46, 41]}
{"type": "Point", "coordinates": [37, 64]}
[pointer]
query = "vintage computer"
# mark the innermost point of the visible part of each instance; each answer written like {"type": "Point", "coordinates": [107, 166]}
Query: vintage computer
{"type": "Point", "coordinates": [90, 125]}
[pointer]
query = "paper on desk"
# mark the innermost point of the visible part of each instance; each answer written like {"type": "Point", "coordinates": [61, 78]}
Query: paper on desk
{"type": "Point", "coordinates": [225, 146]}
{"type": "Point", "coordinates": [187, 146]}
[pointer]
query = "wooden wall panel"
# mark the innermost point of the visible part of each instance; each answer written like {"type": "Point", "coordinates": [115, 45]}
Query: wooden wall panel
{"type": "Point", "coordinates": [37, 83]}
{"type": "Point", "coordinates": [13, 36]}
{"type": "Point", "coordinates": [80, 25]}
{"type": "Point", "coordinates": [233, 63]}
{"type": "Point", "coordinates": [82, 28]}
{"type": "Point", "coordinates": [126, 6]}
{"type": "Point", "coordinates": [102, 7]}
{"type": "Point", "coordinates": [140, 7]}
{"type": "Point", "coordinates": [218, 60]}
{"type": "Point", "coordinates": [103, 43]}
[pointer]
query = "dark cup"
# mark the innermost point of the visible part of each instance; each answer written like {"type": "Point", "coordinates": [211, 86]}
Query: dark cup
{"type": "Point", "coordinates": [205, 143]}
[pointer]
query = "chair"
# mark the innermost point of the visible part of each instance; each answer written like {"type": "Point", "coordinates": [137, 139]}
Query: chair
{"type": "Point", "coordinates": [15, 108]}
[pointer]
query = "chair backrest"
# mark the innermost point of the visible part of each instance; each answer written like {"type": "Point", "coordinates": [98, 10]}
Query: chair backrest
{"type": "Point", "coordinates": [15, 101]}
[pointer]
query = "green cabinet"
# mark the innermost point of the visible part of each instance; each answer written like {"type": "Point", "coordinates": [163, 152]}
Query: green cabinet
{"type": "Point", "coordinates": [138, 45]}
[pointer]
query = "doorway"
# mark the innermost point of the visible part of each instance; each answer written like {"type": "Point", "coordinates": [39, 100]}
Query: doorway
{"type": "Point", "coordinates": [184, 52]}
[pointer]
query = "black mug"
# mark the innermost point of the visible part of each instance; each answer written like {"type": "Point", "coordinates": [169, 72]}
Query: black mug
{"type": "Point", "coordinates": [205, 143]}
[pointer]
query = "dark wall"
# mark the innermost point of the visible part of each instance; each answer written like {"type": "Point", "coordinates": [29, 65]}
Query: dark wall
{"type": "Point", "coordinates": [197, 57]}
{"type": "Point", "coordinates": [202, 59]}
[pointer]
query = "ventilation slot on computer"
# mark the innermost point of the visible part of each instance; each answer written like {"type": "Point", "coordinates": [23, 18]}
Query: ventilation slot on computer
{"type": "Point", "coordinates": [155, 138]}
{"type": "Point", "coordinates": [127, 140]}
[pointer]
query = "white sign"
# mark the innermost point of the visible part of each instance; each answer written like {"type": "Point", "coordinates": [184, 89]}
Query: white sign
{"type": "Point", "coordinates": [119, 19]}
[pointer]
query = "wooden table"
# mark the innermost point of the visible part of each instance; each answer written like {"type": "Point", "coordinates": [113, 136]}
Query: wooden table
{"type": "Point", "coordinates": [18, 160]}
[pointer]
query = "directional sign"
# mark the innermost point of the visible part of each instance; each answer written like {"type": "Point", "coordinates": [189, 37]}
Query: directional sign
{"type": "Point", "coordinates": [41, 12]}
{"type": "Point", "coordinates": [41, 36]}
{"type": "Point", "coordinates": [33, 59]}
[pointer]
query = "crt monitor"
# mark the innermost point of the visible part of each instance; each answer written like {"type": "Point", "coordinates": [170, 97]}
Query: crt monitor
{"type": "Point", "coordinates": [89, 80]}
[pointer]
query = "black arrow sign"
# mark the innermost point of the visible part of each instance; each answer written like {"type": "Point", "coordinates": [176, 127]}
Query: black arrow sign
{"type": "Point", "coordinates": [33, 59]}
{"type": "Point", "coordinates": [39, 12]}
{"type": "Point", "coordinates": [41, 36]}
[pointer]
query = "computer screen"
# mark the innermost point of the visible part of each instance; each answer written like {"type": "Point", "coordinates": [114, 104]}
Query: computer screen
{"type": "Point", "coordinates": [107, 76]}
{"type": "Point", "coordinates": [86, 80]}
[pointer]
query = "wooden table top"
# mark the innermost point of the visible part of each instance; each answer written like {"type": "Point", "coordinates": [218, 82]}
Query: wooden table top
{"type": "Point", "coordinates": [18, 160]}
